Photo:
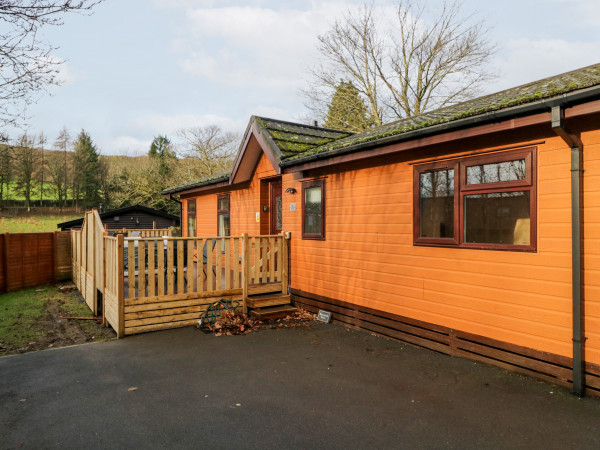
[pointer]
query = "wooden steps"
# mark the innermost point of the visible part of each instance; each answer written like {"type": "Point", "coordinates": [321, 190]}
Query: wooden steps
{"type": "Point", "coordinates": [262, 301]}
{"type": "Point", "coordinates": [270, 306]}
{"type": "Point", "coordinates": [273, 312]}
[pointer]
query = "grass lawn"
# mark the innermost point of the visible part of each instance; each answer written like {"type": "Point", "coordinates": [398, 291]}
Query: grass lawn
{"type": "Point", "coordinates": [15, 194]}
{"type": "Point", "coordinates": [34, 224]}
{"type": "Point", "coordinates": [31, 319]}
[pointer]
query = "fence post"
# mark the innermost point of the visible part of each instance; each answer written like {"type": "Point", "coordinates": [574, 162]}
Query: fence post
{"type": "Point", "coordinates": [121, 286]}
{"type": "Point", "coordinates": [55, 256]}
{"type": "Point", "coordinates": [104, 321]}
{"type": "Point", "coordinates": [245, 267]}
{"type": "Point", "coordinates": [284, 264]}
{"type": "Point", "coordinates": [4, 263]}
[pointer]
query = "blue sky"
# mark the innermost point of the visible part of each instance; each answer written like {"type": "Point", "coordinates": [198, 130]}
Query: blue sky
{"type": "Point", "coordinates": [139, 68]}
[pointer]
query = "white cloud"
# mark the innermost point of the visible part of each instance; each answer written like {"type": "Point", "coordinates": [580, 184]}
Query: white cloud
{"type": "Point", "coordinates": [124, 145]}
{"type": "Point", "coordinates": [253, 47]}
{"type": "Point", "coordinates": [526, 60]}
{"type": "Point", "coordinates": [156, 124]}
{"type": "Point", "coordinates": [66, 75]}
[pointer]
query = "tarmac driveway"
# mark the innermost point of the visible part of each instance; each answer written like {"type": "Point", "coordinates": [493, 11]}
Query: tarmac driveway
{"type": "Point", "coordinates": [317, 387]}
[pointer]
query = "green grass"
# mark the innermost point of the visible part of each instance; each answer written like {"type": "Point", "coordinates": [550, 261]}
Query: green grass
{"type": "Point", "coordinates": [19, 313]}
{"type": "Point", "coordinates": [14, 194]}
{"type": "Point", "coordinates": [33, 319]}
{"type": "Point", "coordinates": [34, 224]}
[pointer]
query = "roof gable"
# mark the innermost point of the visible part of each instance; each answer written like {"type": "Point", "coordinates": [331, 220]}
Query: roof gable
{"type": "Point", "coordinates": [278, 140]}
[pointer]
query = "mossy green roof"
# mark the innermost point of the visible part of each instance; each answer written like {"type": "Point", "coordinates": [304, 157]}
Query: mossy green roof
{"type": "Point", "coordinates": [293, 143]}
{"type": "Point", "coordinates": [528, 93]}
{"type": "Point", "coordinates": [294, 139]}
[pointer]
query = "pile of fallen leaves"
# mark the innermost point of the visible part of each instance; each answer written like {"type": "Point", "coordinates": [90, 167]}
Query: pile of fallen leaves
{"type": "Point", "coordinates": [300, 318]}
{"type": "Point", "coordinates": [231, 323]}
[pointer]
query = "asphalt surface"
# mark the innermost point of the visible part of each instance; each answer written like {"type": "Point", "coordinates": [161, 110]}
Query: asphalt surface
{"type": "Point", "coordinates": [317, 387]}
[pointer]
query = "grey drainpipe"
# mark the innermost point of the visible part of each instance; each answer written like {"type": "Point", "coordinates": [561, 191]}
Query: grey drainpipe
{"type": "Point", "coordinates": [180, 209]}
{"type": "Point", "coordinates": [576, 150]}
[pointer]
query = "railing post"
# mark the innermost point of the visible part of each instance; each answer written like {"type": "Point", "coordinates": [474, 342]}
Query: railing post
{"type": "Point", "coordinates": [284, 264]}
{"type": "Point", "coordinates": [120, 286]}
{"type": "Point", "coordinates": [104, 321]}
{"type": "Point", "coordinates": [245, 271]}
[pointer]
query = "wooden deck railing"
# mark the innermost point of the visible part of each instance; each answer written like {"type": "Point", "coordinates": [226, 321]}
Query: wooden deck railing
{"type": "Point", "coordinates": [156, 283]}
{"type": "Point", "coordinates": [143, 232]}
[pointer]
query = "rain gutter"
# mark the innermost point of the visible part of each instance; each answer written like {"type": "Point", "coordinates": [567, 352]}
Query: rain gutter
{"type": "Point", "coordinates": [574, 141]}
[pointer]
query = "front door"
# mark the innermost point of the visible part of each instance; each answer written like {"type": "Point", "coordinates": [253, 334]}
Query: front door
{"type": "Point", "coordinates": [276, 207]}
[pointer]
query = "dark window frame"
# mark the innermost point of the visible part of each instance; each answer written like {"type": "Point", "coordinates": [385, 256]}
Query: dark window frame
{"type": "Point", "coordinates": [194, 215]}
{"type": "Point", "coordinates": [462, 189]}
{"type": "Point", "coordinates": [307, 185]}
{"type": "Point", "coordinates": [224, 211]}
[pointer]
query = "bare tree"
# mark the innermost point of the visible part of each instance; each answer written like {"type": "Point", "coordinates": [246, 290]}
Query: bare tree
{"type": "Point", "coordinates": [42, 140]}
{"type": "Point", "coordinates": [25, 159]}
{"type": "Point", "coordinates": [6, 172]}
{"type": "Point", "coordinates": [27, 63]}
{"type": "Point", "coordinates": [206, 150]}
{"type": "Point", "coordinates": [352, 51]}
{"type": "Point", "coordinates": [426, 59]}
{"type": "Point", "coordinates": [58, 166]}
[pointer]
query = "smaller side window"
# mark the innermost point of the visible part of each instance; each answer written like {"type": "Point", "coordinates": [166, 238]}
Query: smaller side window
{"type": "Point", "coordinates": [313, 210]}
{"type": "Point", "coordinates": [223, 221]}
{"type": "Point", "coordinates": [191, 217]}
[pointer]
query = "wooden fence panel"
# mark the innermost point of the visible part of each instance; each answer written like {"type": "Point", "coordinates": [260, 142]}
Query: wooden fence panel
{"type": "Point", "coordinates": [33, 259]}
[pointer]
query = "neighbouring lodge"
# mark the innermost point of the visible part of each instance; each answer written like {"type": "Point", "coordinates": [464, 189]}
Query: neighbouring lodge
{"type": "Point", "coordinates": [129, 217]}
{"type": "Point", "coordinates": [472, 230]}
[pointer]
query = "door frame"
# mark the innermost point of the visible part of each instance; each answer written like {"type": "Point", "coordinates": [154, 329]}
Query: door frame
{"type": "Point", "coordinates": [275, 189]}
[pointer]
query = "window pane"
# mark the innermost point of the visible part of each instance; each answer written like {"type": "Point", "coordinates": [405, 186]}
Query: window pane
{"type": "Point", "coordinates": [498, 218]}
{"type": "Point", "coordinates": [496, 172]}
{"type": "Point", "coordinates": [279, 212]}
{"type": "Point", "coordinates": [312, 210]}
{"type": "Point", "coordinates": [223, 204]}
{"type": "Point", "coordinates": [191, 207]}
{"type": "Point", "coordinates": [191, 226]}
{"type": "Point", "coordinates": [223, 225]}
{"type": "Point", "coordinates": [436, 191]}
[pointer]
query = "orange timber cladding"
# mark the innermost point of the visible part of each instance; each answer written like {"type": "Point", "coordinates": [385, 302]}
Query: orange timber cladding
{"type": "Point", "coordinates": [519, 304]}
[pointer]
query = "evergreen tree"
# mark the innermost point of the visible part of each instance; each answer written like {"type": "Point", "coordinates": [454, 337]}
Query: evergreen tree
{"type": "Point", "coordinates": [86, 166]}
{"type": "Point", "coordinates": [162, 150]}
{"type": "Point", "coordinates": [347, 110]}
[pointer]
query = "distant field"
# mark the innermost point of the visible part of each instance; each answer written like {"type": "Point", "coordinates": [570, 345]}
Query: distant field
{"type": "Point", "coordinates": [14, 194]}
{"type": "Point", "coordinates": [33, 224]}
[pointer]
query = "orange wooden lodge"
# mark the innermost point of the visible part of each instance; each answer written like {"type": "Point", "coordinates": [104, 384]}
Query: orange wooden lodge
{"type": "Point", "coordinates": [473, 230]}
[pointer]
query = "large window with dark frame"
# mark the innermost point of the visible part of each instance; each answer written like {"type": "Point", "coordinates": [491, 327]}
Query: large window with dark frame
{"type": "Point", "coordinates": [313, 209]}
{"type": "Point", "coordinates": [191, 217]}
{"type": "Point", "coordinates": [223, 216]}
{"type": "Point", "coordinates": [484, 201]}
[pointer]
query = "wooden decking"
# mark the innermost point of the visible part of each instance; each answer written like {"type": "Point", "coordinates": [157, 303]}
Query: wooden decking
{"type": "Point", "coordinates": [154, 283]}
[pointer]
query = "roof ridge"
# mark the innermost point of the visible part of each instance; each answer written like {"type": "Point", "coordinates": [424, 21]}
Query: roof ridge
{"type": "Point", "coordinates": [303, 125]}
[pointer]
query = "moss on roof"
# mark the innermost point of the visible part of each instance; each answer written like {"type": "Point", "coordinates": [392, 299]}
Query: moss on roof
{"type": "Point", "coordinates": [295, 139]}
{"type": "Point", "coordinates": [292, 143]}
{"type": "Point", "coordinates": [527, 93]}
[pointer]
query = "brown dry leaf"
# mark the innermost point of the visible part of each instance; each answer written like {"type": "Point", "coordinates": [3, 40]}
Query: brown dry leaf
{"type": "Point", "coordinates": [132, 389]}
{"type": "Point", "coordinates": [231, 323]}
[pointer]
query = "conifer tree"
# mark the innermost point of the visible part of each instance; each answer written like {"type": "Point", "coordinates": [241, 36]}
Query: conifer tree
{"type": "Point", "coordinates": [87, 169]}
{"type": "Point", "coordinates": [347, 110]}
{"type": "Point", "coordinates": [162, 150]}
